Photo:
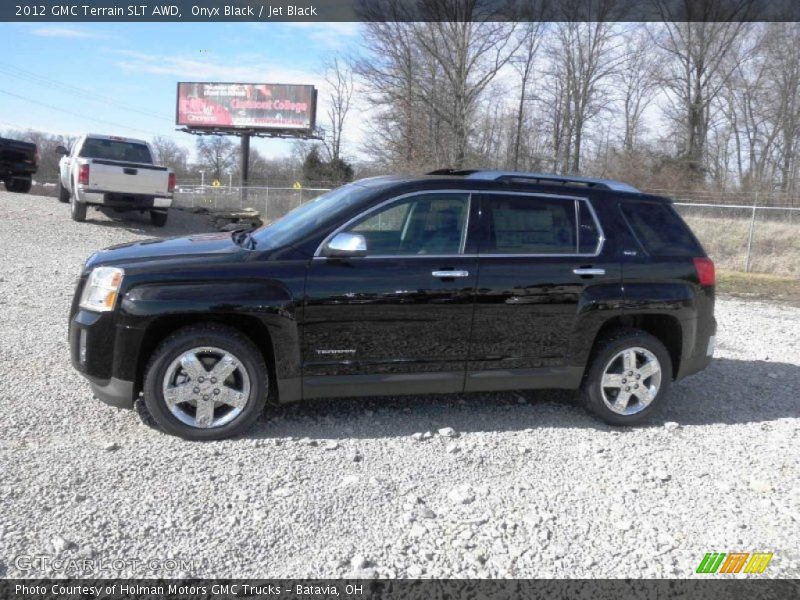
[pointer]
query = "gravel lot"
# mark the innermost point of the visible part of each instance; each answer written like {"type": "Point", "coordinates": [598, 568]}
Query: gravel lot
{"type": "Point", "coordinates": [503, 485]}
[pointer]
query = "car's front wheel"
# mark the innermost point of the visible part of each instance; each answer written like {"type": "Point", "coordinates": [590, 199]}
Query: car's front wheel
{"type": "Point", "coordinates": [206, 382]}
{"type": "Point", "coordinates": [628, 377]}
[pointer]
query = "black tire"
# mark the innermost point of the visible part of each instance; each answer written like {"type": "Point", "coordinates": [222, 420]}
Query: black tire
{"type": "Point", "coordinates": [77, 210]}
{"type": "Point", "coordinates": [198, 336]}
{"type": "Point", "coordinates": [63, 193]}
{"type": "Point", "coordinates": [592, 391]}
{"type": "Point", "coordinates": [19, 185]}
{"type": "Point", "coordinates": [158, 217]}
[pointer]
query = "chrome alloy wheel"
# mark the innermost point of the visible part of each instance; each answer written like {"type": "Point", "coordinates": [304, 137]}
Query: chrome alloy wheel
{"type": "Point", "coordinates": [631, 381]}
{"type": "Point", "coordinates": [206, 387]}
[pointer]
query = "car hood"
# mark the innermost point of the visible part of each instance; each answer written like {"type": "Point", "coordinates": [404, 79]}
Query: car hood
{"type": "Point", "coordinates": [157, 249]}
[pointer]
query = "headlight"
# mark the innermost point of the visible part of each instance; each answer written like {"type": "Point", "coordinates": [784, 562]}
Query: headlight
{"type": "Point", "coordinates": [100, 292]}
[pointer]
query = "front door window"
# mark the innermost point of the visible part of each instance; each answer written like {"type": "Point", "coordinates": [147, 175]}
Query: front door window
{"type": "Point", "coordinates": [428, 224]}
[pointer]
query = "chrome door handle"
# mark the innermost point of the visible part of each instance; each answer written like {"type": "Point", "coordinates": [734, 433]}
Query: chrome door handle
{"type": "Point", "coordinates": [450, 273]}
{"type": "Point", "coordinates": [589, 271]}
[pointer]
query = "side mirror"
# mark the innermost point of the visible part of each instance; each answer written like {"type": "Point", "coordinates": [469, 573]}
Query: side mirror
{"type": "Point", "coordinates": [61, 151]}
{"type": "Point", "coordinates": [344, 245]}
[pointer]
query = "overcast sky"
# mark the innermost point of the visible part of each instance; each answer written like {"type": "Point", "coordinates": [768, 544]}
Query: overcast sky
{"type": "Point", "coordinates": [119, 78]}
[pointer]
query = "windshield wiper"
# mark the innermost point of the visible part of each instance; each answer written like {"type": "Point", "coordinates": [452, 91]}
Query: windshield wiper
{"type": "Point", "coordinates": [243, 238]}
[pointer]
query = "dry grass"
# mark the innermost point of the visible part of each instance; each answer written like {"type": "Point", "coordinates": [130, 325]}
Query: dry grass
{"type": "Point", "coordinates": [762, 286]}
{"type": "Point", "coordinates": [776, 245]}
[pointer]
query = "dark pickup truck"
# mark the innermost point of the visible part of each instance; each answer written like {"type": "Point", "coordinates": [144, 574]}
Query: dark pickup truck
{"type": "Point", "coordinates": [458, 281]}
{"type": "Point", "coordinates": [18, 163]}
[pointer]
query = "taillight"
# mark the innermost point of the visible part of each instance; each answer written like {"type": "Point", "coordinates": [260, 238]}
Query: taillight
{"type": "Point", "coordinates": [171, 183]}
{"type": "Point", "coordinates": [705, 270]}
{"type": "Point", "coordinates": [83, 175]}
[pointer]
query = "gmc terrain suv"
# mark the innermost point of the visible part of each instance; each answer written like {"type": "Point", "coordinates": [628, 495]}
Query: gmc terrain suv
{"type": "Point", "coordinates": [457, 281]}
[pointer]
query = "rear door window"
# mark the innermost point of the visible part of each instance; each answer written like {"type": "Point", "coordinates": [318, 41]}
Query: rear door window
{"type": "Point", "coordinates": [528, 225]}
{"type": "Point", "coordinates": [659, 229]}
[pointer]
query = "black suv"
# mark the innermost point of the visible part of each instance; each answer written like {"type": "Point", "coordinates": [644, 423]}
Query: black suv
{"type": "Point", "coordinates": [457, 281]}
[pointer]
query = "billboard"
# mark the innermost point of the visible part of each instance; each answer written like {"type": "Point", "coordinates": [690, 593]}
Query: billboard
{"type": "Point", "coordinates": [267, 106]}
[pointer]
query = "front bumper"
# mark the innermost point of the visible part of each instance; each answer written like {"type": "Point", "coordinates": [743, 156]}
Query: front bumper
{"type": "Point", "coordinates": [114, 392]}
{"type": "Point", "coordinates": [93, 340]}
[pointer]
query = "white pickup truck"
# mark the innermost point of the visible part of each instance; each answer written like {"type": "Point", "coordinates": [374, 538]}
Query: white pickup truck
{"type": "Point", "coordinates": [116, 173]}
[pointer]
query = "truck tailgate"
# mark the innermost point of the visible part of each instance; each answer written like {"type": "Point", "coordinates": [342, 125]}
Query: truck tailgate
{"type": "Point", "coordinates": [127, 178]}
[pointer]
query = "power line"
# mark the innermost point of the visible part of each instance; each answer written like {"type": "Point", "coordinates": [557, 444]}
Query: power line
{"type": "Point", "coordinates": [75, 114]}
{"type": "Point", "coordinates": [75, 91]}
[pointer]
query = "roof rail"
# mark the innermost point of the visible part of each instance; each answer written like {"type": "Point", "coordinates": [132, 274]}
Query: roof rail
{"type": "Point", "coordinates": [456, 172]}
{"type": "Point", "coordinates": [514, 176]}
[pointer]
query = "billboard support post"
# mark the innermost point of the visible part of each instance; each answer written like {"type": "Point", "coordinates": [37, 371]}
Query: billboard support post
{"type": "Point", "coordinates": [244, 167]}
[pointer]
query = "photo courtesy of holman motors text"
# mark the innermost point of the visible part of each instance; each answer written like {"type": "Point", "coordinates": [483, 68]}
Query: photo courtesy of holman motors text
{"type": "Point", "coordinates": [189, 589]}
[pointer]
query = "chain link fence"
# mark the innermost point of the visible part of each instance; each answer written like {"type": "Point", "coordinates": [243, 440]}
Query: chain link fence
{"type": "Point", "coordinates": [271, 202]}
{"type": "Point", "coordinates": [740, 234]}
{"type": "Point", "coordinates": [764, 239]}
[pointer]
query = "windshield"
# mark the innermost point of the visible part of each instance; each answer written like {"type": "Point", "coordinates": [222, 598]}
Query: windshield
{"type": "Point", "coordinates": [304, 219]}
{"type": "Point", "coordinates": [116, 150]}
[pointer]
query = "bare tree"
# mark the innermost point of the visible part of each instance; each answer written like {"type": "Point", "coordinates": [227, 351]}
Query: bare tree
{"type": "Point", "coordinates": [524, 61]}
{"type": "Point", "coordinates": [752, 112]}
{"type": "Point", "coordinates": [401, 127]}
{"type": "Point", "coordinates": [435, 71]}
{"type": "Point", "coordinates": [783, 60]}
{"type": "Point", "coordinates": [697, 65]}
{"type": "Point", "coordinates": [339, 76]}
{"type": "Point", "coordinates": [169, 154]}
{"type": "Point", "coordinates": [217, 154]}
{"type": "Point", "coordinates": [583, 56]}
{"type": "Point", "coordinates": [637, 83]}
{"type": "Point", "coordinates": [469, 55]}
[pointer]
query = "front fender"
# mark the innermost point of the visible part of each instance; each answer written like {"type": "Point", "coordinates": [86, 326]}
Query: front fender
{"type": "Point", "coordinates": [269, 302]}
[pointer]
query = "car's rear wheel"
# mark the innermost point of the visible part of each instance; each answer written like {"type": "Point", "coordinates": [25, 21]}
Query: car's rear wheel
{"type": "Point", "coordinates": [20, 185]}
{"type": "Point", "coordinates": [77, 210]}
{"type": "Point", "coordinates": [206, 382]}
{"type": "Point", "coordinates": [628, 377]}
{"type": "Point", "coordinates": [63, 193]}
{"type": "Point", "coordinates": [158, 217]}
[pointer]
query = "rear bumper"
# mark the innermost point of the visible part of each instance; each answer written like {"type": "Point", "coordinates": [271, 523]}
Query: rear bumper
{"type": "Point", "coordinates": [702, 352]}
{"type": "Point", "coordinates": [17, 170]}
{"type": "Point", "coordinates": [99, 197]}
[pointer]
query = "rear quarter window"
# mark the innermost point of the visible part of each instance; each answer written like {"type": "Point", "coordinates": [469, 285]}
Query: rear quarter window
{"type": "Point", "coordinates": [659, 229]}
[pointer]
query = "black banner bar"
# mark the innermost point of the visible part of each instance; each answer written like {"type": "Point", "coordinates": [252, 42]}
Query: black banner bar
{"type": "Point", "coordinates": [427, 589]}
{"type": "Point", "coordinates": [396, 10]}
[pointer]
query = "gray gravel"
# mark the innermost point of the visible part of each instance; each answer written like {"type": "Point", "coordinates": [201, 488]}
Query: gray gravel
{"type": "Point", "coordinates": [502, 485]}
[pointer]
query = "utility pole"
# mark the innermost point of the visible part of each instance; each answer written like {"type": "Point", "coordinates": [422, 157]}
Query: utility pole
{"type": "Point", "coordinates": [244, 166]}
